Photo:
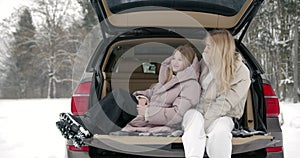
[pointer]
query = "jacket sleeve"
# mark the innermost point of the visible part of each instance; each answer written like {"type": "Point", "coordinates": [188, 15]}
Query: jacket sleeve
{"type": "Point", "coordinates": [162, 77]}
{"type": "Point", "coordinates": [163, 71]}
{"type": "Point", "coordinates": [188, 98]}
{"type": "Point", "coordinates": [147, 93]}
{"type": "Point", "coordinates": [234, 99]}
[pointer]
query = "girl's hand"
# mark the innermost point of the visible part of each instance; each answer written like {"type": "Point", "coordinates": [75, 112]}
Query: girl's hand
{"type": "Point", "coordinates": [168, 60]}
{"type": "Point", "coordinates": [141, 110]}
{"type": "Point", "coordinates": [143, 102]}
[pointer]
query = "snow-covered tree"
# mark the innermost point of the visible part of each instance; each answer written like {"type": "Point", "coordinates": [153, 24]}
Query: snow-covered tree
{"type": "Point", "coordinates": [271, 38]}
{"type": "Point", "coordinates": [42, 41]}
{"type": "Point", "coordinates": [56, 42]}
{"type": "Point", "coordinates": [25, 53]}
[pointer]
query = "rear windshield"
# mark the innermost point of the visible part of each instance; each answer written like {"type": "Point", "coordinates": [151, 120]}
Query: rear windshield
{"type": "Point", "coordinates": [222, 7]}
{"type": "Point", "coordinates": [145, 54]}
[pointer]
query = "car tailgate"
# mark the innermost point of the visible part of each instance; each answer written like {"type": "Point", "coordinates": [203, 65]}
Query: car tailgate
{"type": "Point", "coordinates": [168, 146]}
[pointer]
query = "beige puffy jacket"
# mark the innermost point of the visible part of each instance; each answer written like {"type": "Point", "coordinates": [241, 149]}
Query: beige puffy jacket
{"type": "Point", "coordinates": [231, 104]}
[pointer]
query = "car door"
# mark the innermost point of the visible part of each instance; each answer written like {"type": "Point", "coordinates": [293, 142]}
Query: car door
{"type": "Point", "coordinates": [118, 16]}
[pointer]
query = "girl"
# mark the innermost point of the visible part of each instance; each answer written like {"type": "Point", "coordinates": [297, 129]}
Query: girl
{"type": "Point", "coordinates": [225, 82]}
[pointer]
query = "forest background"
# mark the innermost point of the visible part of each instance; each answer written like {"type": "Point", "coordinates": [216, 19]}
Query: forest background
{"type": "Point", "coordinates": [43, 43]}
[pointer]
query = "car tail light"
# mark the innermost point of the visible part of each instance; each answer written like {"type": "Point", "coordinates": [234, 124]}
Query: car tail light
{"type": "Point", "coordinates": [83, 148]}
{"type": "Point", "coordinates": [274, 149]}
{"type": "Point", "coordinates": [80, 99]}
{"type": "Point", "coordinates": [271, 100]}
{"type": "Point", "coordinates": [272, 110]}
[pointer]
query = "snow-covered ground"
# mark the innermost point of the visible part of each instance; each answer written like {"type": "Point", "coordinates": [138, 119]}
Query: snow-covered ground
{"type": "Point", "coordinates": [27, 128]}
{"type": "Point", "coordinates": [291, 129]}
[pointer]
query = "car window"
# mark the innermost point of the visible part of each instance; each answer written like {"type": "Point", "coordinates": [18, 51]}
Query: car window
{"type": "Point", "coordinates": [84, 53]}
{"type": "Point", "coordinates": [145, 56]}
{"type": "Point", "coordinates": [223, 7]}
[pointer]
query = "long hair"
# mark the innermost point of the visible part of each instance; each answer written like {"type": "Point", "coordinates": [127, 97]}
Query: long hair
{"type": "Point", "coordinates": [188, 54]}
{"type": "Point", "coordinates": [223, 58]}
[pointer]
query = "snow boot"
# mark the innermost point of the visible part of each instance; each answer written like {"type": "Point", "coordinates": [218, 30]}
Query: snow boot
{"type": "Point", "coordinates": [64, 129]}
{"type": "Point", "coordinates": [70, 132]}
{"type": "Point", "coordinates": [76, 125]}
{"type": "Point", "coordinates": [72, 128]}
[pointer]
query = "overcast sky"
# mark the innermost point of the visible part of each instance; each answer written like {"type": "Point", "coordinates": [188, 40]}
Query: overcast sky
{"type": "Point", "coordinates": [8, 6]}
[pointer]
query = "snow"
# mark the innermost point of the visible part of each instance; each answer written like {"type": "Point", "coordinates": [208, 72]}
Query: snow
{"type": "Point", "coordinates": [291, 129]}
{"type": "Point", "coordinates": [28, 128]}
{"type": "Point", "coordinates": [8, 7]}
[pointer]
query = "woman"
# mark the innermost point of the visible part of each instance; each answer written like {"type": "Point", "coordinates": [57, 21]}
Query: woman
{"type": "Point", "coordinates": [224, 82]}
{"type": "Point", "coordinates": [158, 109]}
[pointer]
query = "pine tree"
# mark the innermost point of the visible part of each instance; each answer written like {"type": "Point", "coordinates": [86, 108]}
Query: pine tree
{"type": "Point", "coordinates": [24, 51]}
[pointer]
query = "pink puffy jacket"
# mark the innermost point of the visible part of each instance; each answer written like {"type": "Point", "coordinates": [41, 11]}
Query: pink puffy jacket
{"type": "Point", "coordinates": [169, 101]}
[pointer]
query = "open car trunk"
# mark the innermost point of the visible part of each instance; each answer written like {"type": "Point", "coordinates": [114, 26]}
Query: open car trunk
{"type": "Point", "coordinates": [134, 65]}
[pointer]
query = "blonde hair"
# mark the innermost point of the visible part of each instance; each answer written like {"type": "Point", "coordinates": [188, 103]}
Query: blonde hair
{"type": "Point", "coordinates": [223, 58]}
{"type": "Point", "coordinates": [188, 54]}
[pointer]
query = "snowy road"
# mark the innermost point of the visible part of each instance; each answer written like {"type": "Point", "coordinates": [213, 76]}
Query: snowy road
{"type": "Point", "coordinates": [28, 128]}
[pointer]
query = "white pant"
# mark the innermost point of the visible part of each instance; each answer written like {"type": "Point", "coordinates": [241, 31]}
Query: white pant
{"type": "Point", "coordinates": [216, 139]}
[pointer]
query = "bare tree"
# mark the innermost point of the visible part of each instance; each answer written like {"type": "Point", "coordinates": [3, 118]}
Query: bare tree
{"type": "Point", "coordinates": [271, 41]}
{"type": "Point", "coordinates": [295, 54]}
{"type": "Point", "coordinates": [55, 42]}
{"type": "Point", "coordinates": [295, 64]}
{"type": "Point", "coordinates": [60, 28]}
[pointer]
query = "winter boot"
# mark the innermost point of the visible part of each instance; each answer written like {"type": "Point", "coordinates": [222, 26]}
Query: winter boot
{"type": "Point", "coordinates": [75, 125]}
{"type": "Point", "coordinates": [72, 128]}
{"type": "Point", "coordinates": [63, 128]}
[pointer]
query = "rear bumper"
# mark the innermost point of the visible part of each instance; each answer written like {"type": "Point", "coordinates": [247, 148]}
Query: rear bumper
{"type": "Point", "coordinates": [275, 155]}
{"type": "Point", "coordinates": [167, 146]}
{"type": "Point", "coordinates": [274, 127]}
{"type": "Point", "coordinates": [75, 154]}
{"type": "Point", "coordinates": [174, 149]}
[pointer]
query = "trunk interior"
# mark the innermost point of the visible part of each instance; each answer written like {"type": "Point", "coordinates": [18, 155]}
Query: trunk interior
{"type": "Point", "coordinates": [134, 65]}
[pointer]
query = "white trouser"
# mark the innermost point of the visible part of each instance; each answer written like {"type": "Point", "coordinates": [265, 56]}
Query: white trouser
{"type": "Point", "coordinates": [216, 139]}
